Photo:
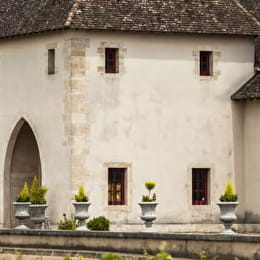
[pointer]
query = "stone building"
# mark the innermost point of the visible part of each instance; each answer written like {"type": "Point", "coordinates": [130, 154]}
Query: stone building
{"type": "Point", "coordinates": [111, 94]}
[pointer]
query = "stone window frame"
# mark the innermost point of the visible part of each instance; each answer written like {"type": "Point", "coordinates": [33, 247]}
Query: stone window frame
{"type": "Point", "coordinates": [102, 59]}
{"type": "Point", "coordinates": [216, 54]}
{"type": "Point", "coordinates": [211, 184]}
{"type": "Point", "coordinates": [206, 65]}
{"type": "Point", "coordinates": [128, 185]}
{"type": "Point", "coordinates": [48, 47]}
{"type": "Point", "coordinates": [51, 61]}
{"type": "Point", "coordinates": [205, 172]}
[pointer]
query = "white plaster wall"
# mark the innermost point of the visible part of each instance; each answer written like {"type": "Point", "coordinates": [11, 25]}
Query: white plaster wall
{"type": "Point", "coordinates": [27, 91]}
{"type": "Point", "coordinates": [157, 116]}
{"type": "Point", "coordinates": [238, 119]}
{"type": "Point", "coordinates": [163, 119]}
{"type": "Point", "coordinates": [252, 161]}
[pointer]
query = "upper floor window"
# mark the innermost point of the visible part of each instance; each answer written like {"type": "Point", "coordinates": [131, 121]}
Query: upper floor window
{"type": "Point", "coordinates": [51, 61]}
{"type": "Point", "coordinates": [111, 60]}
{"type": "Point", "coordinates": [206, 63]}
{"type": "Point", "coordinates": [200, 178]}
{"type": "Point", "coordinates": [116, 186]}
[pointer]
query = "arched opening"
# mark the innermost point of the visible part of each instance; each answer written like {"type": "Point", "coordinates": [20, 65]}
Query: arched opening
{"type": "Point", "coordinates": [22, 163]}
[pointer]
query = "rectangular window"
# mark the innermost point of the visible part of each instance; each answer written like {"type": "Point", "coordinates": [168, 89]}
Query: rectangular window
{"type": "Point", "coordinates": [51, 61]}
{"type": "Point", "coordinates": [111, 60]}
{"type": "Point", "coordinates": [200, 178]}
{"type": "Point", "coordinates": [206, 63]}
{"type": "Point", "coordinates": [116, 186]}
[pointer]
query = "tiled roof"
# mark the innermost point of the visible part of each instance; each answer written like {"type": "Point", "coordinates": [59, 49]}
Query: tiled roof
{"type": "Point", "coordinates": [250, 90]}
{"type": "Point", "coordinates": [253, 6]}
{"type": "Point", "coordinates": [19, 17]}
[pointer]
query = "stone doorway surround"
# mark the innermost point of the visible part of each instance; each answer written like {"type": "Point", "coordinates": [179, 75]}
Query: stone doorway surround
{"type": "Point", "coordinates": [22, 163]}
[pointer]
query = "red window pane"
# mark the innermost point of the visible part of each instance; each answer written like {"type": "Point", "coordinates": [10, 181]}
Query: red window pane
{"type": "Point", "coordinates": [200, 186]}
{"type": "Point", "coordinates": [116, 186]}
{"type": "Point", "coordinates": [205, 63]}
{"type": "Point", "coordinates": [111, 60]}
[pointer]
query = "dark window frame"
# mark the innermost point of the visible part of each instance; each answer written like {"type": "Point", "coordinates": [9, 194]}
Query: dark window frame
{"type": "Point", "coordinates": [111, 60]}
{"type": "Point", "coordinates": [200, 186]}
{"type": "Point", "coordinates": [117, 186]}
{"type": "Point", "coordinates": [206, 63]}
{"type": "Point", "coordinates": [51, 61]}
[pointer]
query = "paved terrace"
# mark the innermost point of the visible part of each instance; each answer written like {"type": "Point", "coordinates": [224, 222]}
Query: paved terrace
{"type": "Point", "coordinates": [91, 244]}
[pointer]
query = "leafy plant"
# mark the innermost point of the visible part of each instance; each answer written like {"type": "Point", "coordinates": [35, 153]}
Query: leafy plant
{"type": "Point", "coordinates": [81, 196]}
{"type": "Point", "coordinates": [24, 194]}
{"type": "Point", "coordinates": [18, 255]}
{"type": "Point", "coordinates": [110, 257]}
{"type": "Point", "coordinates": [99, 223]}
{"type": "Point", "coordinates": [202, 255]}
{"type": "Point", "coordinates": [229, 194]}
{"type": "Point", "coordinates": [149, 185]}
{"type": "Point", "coordinates": [67, 224]}
{"type": "Point", "coordinates": [162, 256]}
{"type": "Point", "coordinates": [38, 192]}
{"type": "Point", "coordinates": [67, 258]}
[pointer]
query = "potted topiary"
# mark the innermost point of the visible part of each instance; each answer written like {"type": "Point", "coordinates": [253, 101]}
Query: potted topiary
{"type": "Point", "coordinates": [227, 203]}
{"type": "Point", "coordinates": [38, 203]}
{"type": "Point", "coordinates": [81, 205]}
{"type": "Point", "coordinates": [148, 206]}
{"type": "Point", "coordinates": [22, 204]}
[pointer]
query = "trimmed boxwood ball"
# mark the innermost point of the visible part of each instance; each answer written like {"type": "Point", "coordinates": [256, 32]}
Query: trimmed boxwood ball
{"type": "Point", "coordinates": [99, 223]}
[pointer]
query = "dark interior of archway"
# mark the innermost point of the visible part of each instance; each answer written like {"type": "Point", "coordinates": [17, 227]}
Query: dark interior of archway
{"type": "Point", "coordinates": [25, 164]}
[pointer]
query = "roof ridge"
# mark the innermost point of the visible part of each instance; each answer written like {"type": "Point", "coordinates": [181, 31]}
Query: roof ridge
{"type": "Point", "coordinates": [247, 12]}
{"type": "Point", "coordinates": [72, 12]}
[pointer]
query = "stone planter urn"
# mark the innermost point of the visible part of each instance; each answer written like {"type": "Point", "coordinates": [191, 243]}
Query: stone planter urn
{"type": "Point", "coordinates": [81, 214]}
{"type": "Point", "coordinates": [148, 215]}
{"type": "Point", "coordinates": [21, 213]}
{"type": "Point", "coordinates": [37, 213]}
{"type": "Point", "coordinates": [227, 216]}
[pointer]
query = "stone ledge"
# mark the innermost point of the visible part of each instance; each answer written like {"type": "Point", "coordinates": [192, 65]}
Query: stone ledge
{"type": "Point", "coordinates": [179, 245]}
{"type": "Point", "coordinates": [142, 235]}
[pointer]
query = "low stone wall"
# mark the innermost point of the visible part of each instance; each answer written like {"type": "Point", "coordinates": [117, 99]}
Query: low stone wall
{"type": "Point", "coordinates": [179, 245]}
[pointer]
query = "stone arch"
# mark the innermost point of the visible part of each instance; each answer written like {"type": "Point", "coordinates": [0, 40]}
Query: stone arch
{"type": "Point", "coordinates": [22, 163]}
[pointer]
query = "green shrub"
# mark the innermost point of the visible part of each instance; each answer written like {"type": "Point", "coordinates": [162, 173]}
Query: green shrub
{"type": "Point", "coordinates": [110, 257]}
{"type": "Point", "coordinates": [202, 255]}
{"type": "Point", "coordinates": [24, 194]}
{"type": "Point", "coordinates": [229, 194]}
{"type": "Point", "coordinates": [67, 224]}
{"type": "Point", "coordinates": [38, 192]}
{"type": "Point", "coordinates": [149, 185]}
{"type": "Point", "coordinates": [162, 256]}
{"type": "Point", "coordinates": [81, 196]}
{"type": "Point", "coordinates": [99, 223]}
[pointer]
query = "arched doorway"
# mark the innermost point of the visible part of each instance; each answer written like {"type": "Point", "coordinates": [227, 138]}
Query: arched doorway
{"type": "Point", "coordinates": [22, 163]}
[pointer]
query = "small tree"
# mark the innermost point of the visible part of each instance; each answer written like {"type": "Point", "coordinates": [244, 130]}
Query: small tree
{"type": "Point", "coordinates": [24, 194]}
{"type": "Point", "coordinates": [229, 194]}
{"type": "Point", "coordinates": [150, 185]}
{"type": "Point", "coordinates": [81, 196]}
{"type": "Point", "coordinates": [38, 192]}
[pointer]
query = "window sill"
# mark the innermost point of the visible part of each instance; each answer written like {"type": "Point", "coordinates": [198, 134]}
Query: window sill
{"type": "Point", "coordinates": [116, 207]}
